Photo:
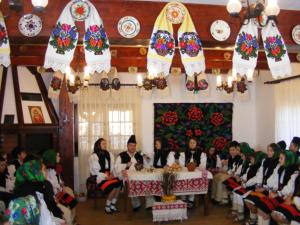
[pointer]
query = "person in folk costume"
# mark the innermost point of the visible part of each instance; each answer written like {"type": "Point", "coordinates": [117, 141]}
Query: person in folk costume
{"type": "Point", "coordinates": [160, 154]}
{"type": "Point", "coordinates": [128, 161]}
{"type": "Point", "coordinates": [264, 181]}
{"type": "Point", "coordinates": [219, 192]}
{"type": "Point", "coordinates": [213, 163]}
{"type": "Point", "coordinates": [5, 189]}
{"type": "Point", "coordinates": [19, 154]}
{"type": "Point", "coordinates": [249, 181]}
{"type": "Point", "coordinates": [295, 146]}
{"type": "Point", "coordinates": [64, 196]}
{"type": "Point", "coordinates": [282, 145]}
{"type": "Point", "coordinates": [175, 156]}
{"type": "Point", "coordinates": [101, 164]}
{"type": "Point", "coordinates": [30, 179]}
{"type": "Point", "coordinates": [280, 187]}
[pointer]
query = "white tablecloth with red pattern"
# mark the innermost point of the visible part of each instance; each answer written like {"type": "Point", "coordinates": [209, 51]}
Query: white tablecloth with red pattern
{"type": "Point", "coordinates": [150, 183]}
{"type": "Point", "coordinates": [169, 211]}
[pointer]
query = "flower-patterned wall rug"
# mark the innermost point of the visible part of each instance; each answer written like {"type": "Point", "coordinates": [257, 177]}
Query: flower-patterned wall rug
{"type": "Point", "coordinates": [210, 123]}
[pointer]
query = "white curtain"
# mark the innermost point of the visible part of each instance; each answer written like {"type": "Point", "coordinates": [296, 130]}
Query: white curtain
{"type": "Point", "coordinates": [287, 110]}
{"type": "Point", "coordinates": [114, 116]}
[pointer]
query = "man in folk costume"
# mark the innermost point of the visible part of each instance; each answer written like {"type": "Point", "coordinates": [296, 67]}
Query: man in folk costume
{"type": "Point", "coordinates": [128, 161]}
{"type": "Point", "coordinates": [295, 145]}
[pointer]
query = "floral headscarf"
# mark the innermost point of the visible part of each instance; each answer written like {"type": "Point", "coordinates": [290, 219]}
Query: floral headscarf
{"type": "Point", "coordinates": [29, 171]}
{"type": "Point", "coordinates": [23, 211]}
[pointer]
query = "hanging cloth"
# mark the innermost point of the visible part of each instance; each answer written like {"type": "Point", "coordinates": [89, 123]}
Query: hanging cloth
{"type": "Point", "coordinates": [276, 51]}
{"type": "Point", "coordinates": [64, 38]}
{"type": "Point", "coordinates": [162, 45]}
{"type": "Point", "coordinates": [4, 43]}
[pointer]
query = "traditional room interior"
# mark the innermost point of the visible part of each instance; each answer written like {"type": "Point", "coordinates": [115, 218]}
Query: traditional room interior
{"type": "Point", "coordinates": [123, 73]}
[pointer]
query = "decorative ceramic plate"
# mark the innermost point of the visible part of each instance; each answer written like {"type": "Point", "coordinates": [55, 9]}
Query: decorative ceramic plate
{"type": "Point", "coordinates": [80, 10]}
{"type": "Point", "coordinates": [296, 34]}
{"type": "Point", "coordinates": [129, 27]}
{"type": "Point", "coordinates": [220, 30]}
{"type": "Point", "coordinates": [30, 25]}
{"type": "Point", "coordinates": [175, 13]}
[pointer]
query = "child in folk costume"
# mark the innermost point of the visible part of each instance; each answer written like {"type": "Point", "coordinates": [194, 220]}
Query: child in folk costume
{"type": "Point", "coordinates": [101, 164]}
{"type": "Point", "coordinates": [129, 160]}
{"type": "Point", "coordinates": [213, 163]}
{"type": "Point", "coordinates": [248, 184]}
{"type": "Point", "coordinates": [219, 192]}
{"type": "Point", "coordinates": [63, 195]}
{"type": "Point", "coordinates": [295, 145]}
{"type": "Point", "coordinates": [264, 181]}
{"type": "Point", "coordinates": [160, 154]}
{"type": "Point", "coordinates": [280, 187]}
{"type": "Point", "coordinates": [288, 211]}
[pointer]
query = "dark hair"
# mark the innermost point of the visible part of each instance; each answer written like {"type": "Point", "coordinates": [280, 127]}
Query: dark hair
{"type": "Point", "coordinates": [276, 149]}
{"type": "Point", "coordinates": [193, 138]}
{"type": "Point", "coordinates": [1, 159]}
{"type": "Point", "coordinates": [233, 144]}
{"type": "Point", "coordinates": [16, 151]}
{"type": "Point", "coordinates": [97, 145]}
{"type": "Point", "coordinates": [159, 140]}
{"type": "Point", "coordinates": [31, 157]}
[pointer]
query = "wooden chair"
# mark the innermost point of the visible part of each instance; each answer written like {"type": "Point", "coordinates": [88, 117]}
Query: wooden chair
{"type": "Point", "coordinates": [92, 191]}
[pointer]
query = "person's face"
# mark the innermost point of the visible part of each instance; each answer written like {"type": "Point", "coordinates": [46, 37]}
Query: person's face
{"type": "Point", "coordinates": [192, 144]}
{"type": "Point", "coordinates": [232, 151]}
{"type": "Point", "coordinates": [103, 145]}
{"type": "Point", "coordinates": [212, 151]}
{"type": "Point", "coordinates": [243, 156]}
{"type": "Point", "coordinates": [270, 152]}
{"type": "Point", "coordinates": [44, 170]}
{"type": "Point", "coordinates": [281, 159]}
{"type": "Point", "coordinates": [252, 160]}
{"type": "Point", "coordinates": [2, 166]}
{"type": "Point", "coordinates": [131, 147]}
{"type": "Point", "coordinates": [293, 147]}
{"type": "Point", "coordinates": [157, 145]}
{"type": "Point", "coordinates": [58, 158]}
{"type": "Point", "coordinates": [22, 156]}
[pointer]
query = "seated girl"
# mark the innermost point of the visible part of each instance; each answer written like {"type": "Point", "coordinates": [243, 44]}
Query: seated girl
{"type": "Point", "coordinates": [101, 164]}
{"type": "Point", "coordinates": [213, 163]}
{"type": "Point", "coordinates": [63, 195]}
{"type": "Point", "coordinates": [160, 154]}
{"type": "Point", "coordinates": [194, 154]}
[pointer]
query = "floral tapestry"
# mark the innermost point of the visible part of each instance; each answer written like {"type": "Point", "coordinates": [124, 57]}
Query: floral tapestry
{"type": "Point", "coordinates": [210, 123]}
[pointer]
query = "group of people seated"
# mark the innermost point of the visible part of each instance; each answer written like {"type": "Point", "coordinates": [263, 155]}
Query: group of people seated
{"type": "Point", "coordinates": [265, 183]}
{"type": "Point", "coordinates": [32, 190]}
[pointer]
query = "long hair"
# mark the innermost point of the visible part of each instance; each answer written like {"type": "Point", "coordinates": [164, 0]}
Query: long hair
{"type": "Point", "coordinates": [276, 149]}
{"type": "Point", "coordinates": [97, 145]}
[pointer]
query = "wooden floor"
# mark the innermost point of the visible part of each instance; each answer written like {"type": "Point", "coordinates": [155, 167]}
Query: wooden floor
{"type": "Point", "coordinates": [87, 215]}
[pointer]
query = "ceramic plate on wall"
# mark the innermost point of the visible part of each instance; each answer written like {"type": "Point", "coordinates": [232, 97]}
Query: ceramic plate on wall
{"type": "Point", "coordinates": [30, 25]}
{"type": "Point", "coordinates": [175, 13]}
{"type": "Point", "coordinates": [296, 34]}
{"type": "Point", "coordinates": [129, 27]}
{"type": "Point", "coordinates": [80, 10]}
{"type": "Point", "coordinates": [220, 30]}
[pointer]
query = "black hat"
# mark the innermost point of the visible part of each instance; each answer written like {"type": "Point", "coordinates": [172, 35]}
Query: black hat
{"type": "Point", "coordinates": [282, 145]}
{"type": "Point", "coordinates": [296, 141]}
{"type": "Point", "coordinates": [16, 151]}
{"type": "Point", "coordinates": [131, 140]}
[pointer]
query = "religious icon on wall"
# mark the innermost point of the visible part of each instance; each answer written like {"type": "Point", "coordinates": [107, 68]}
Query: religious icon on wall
{"type": "Point", "coordinates": [36, 114]}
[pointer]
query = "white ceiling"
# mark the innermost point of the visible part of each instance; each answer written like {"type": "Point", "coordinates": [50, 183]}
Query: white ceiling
{"type": "Point", "coordinates": [284, 4]}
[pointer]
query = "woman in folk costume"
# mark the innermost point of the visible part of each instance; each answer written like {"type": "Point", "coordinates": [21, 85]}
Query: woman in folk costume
{"type": "Point", "coordinates": [176, 157]}
{"type": "Point", "coordinates": [30, 179]}
{"type": "Point", "coordinates": [248, 183]}
{"type": "Point", "coordinates": [295, 145]}
{"type": "Point", "coordinates": [63, 195]}
{"type": "Point", "coordinates": [264, 181]}
{"type": "Point", "coordinates": [213, 163]}
{"type": "Point", "coordinates": [219, 192]}
{"type": "Point", "coordinates": [160, 154]}
{"type": "Point", "coordinates": [280, 187]}
{"type": "Point", "coordinates": [101, 164]}
{"type": "Point", "coordinates": [129, 160]}
{"type": "Point", "coordinates": [5, 189]}
{"type": "Point", "coordinates": [287, 211]}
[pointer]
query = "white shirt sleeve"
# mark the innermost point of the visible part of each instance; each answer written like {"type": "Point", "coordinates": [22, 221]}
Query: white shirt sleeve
{"type": "Point", "coordinates": [272, 182]}
{"type": "Point", "coordinates": [260, 174]}
{"type": "Point", "coordinates": [52, 178]}
{"type": "Point", "coordinates": [95, 168]}
{"type": "Point", "coordinates": [290, 187]}
{"type": "Point", "coordinates": [182, 159]}
{"type": "Point", "coordinates": [171, 159]}
{"type": "Point", "coordinates": [203, 161]}
{"type": "Point", "coordinates": [239, 170]}
{"type": "Point", "coordinates": [119, 167]}
{"type": "Point", "coordinates": [219, 162]}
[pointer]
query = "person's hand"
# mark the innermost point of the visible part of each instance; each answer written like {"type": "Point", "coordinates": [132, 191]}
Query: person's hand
{"type": "Point", "coordinates": [124, 173]}
{"type": "Point", "coordinates": [288, 200]}
{"type": "Point", "coordinates": [225, 162]}
{"type": "Point", "coordinates": [129, 164]}
{"type": "Point", "coordinates": [272, 195]}
{"type": "Point", "coordinates": [238, 179]}
{"type": "Point", "coordinates": [260, 189]}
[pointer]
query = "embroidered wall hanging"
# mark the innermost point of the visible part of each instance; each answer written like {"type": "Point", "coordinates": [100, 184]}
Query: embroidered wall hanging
{"type": "Point", "coordinates": [210, 123]}
{"type": "Point", "coordinates": [4, 43]}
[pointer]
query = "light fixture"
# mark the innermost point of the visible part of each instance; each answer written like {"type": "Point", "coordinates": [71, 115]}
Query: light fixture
{"type": "Point", "coordinates": [229, 81]}
{"type": "Point", "coordinates": [272, 8]}
{"type": "Point", "coordinates": [219, 81]}
{"type": "Point", "coordinates": [39, 5]}
{"type": "Point", "coordinates": [234, 7]}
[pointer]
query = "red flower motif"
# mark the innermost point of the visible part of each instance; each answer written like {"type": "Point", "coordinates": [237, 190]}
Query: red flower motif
{"type": "Point", "coordinates": [7, 212]}
{"type": "Point", "coordinates": [170, 118]}
{"type": "Point", "coordinates": [220, 143]}
{"type": "Point", "coordinates": [217, 119]}
{"type": "Point", "coordinates": [198, 132]}
{"type": "Point", "coordinates": [195, 113]}
{"type": "Point", "coordinates": [66, 27]}
{"type": "Point", "coordinates": [189, 133]}
{"type": "Point", "coordinates": [24, 211]}
{"type": "Point", "coordinates": [80, 10]}
{"type": "Point", "coordinates": [173, 144]}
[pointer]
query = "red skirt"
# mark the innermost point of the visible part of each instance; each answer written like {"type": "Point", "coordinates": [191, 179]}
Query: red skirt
{"type": "Point", "coordinates": [289, 211]}
{"type": "Point", "coordinates": [108, 185]}
{"type": "Point", "coordinates": [267, 205]}
{"type": "Point", "coordinates": [231, 183]}
{"type": "Point", "coordinates": [66, 199]}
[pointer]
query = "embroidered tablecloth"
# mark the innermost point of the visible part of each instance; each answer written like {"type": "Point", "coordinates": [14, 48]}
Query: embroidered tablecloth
{"type": "Point", "coordinates": [150, 183]}
{"type": "Point", "coordinates": [169, 211]}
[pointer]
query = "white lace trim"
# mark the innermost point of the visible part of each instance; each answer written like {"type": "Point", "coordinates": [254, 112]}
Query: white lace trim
{"type": "Point", "coordinates": [5, 60]}
{"type": "Point", "coordinates": [159, 65]}
{"type": "Point", "coordinates": [194, 67]}
{"type": "Point", "coordinates": [56, 64]}
{"type": "Point", "coordinates": [281, 71]}
{"type": "Point", "coordinates": [100, 66]}
{"type": "Point", "coordinates": [242, 68]}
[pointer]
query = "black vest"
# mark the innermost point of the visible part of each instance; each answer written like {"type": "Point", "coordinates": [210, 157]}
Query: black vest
{"type": "Point", "coordinates": [162, 155]}
{"type": "Point", "coordinates": [289, 171]}
{"type": "Point", "coordinates": [3, 177]}
{"type": "Point", "coordinates": [297, 186]}
{"type": "Point", "coordinates": [244, 168]}
{"type": "Point", "coordinates": [253, 169]}
{"type": "Point", "coordinates": [102, 155]}
{"type": "Point", "coordinates": [125, 157]}
{"type": "Point", "coordinates": [211, 162]}
{"type": "Point", "coordinates": [236, 161]}
{"type": "Point", "coordinates": [268, 168]}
